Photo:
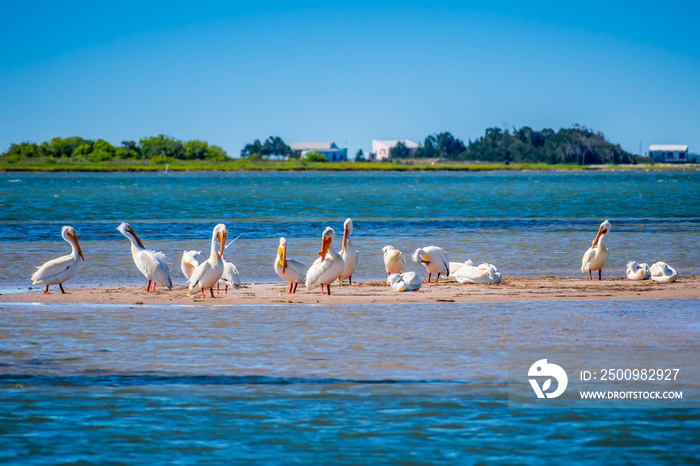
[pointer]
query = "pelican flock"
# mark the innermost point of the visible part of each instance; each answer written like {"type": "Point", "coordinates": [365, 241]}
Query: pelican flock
{"type": "Point", "coordinates": [57, 271]}
{"type": "Point", "coordinates": [152, 264]}
{"type": "Point", "coordinates": [204, 272]}
{"type": "Point", "coordinates": [208, 273]}
{"type": "Point", "coordinates": [596, 256]}
{"type": "Point", "coordinates": [287, 269]}
{"type": "Point", "coordinates": [328, 267]}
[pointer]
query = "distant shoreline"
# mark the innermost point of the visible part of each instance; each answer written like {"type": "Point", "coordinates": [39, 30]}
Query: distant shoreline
{"type": "Point", "coordinates": [373, 292]}
{"type": "Point", "coordinates": [287, 166]}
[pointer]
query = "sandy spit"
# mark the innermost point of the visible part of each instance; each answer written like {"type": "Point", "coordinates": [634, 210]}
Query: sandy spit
{"type": "Point", "coordinates": [512, 289]}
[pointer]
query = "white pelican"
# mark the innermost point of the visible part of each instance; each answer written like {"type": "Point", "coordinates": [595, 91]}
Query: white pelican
{"type": "Point", "coordinates": [348, 252]}
{"type": "Point", "coordinates": [229, 277]}
{"type": "Point", "coordinates": [290, 270]}
{"type": "Point", "coordinates": [209, 272]}
{"type": "Point", "coordinates": [434, 259]}
{"type": "Point", "coordinates": [190, 260]}
{"type": "Point", "coordinates": [394, 260]}
{"type": "Point", "coordinates": [150, 263]}
{"type": "Point", "coordinates": [637, 271]}
{"type": "Point", "coordinates": [328, 267]}
{"type": "Point", "coordinates": [409, 281]}
{"type": "Point", "coordinates": [483, 274]}
{"type": "Point", "coordinates": [663, 273]}
{"type": "Point", "coordinates": [594, 258]}
{"type": "Point", "coordinates": [59, 270]}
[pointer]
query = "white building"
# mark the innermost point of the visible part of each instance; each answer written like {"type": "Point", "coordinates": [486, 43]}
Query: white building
{"type": "Point", "coordinates": [668, 153]}
{"type": "Point", "coordinates": [382, 149]}
{"type": "Point", "coordinates": [329, 149]}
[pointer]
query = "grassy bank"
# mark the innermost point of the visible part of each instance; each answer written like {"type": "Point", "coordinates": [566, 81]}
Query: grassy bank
{"type": "Point", "coordinates": [120, 165]}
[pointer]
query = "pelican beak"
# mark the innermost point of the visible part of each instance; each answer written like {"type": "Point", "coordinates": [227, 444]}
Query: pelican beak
{"type": "Point", "coordinates": [77, 246]}
{"type": "Point", "coordinates": [135, 237]}
{"type": "Point", "coordinates": [325, 246]}
{"type": "Point", "coordinates": [601, 232]}
{"type": "Point", "coordinates": [345, 240]}
{"type": "Point", "coordinates": [222, 241]}
{"type": "Point", "coordinates": [424, 259]}
{"type": "Point", "coordinates": [282, 252]}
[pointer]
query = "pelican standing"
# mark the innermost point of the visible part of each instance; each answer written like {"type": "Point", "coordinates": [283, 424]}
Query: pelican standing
{"type": "Point", "coordinates": [409, 281]}
{"type": "Point", "coordinates": [290, 270]}
{"type": "Point", "coordinates": [190, 260]}
{"type": "Point", "coordinates": [348, 252]}
{"type": "Point", "coordinates": [328, 267]}
{"type": "Point", "coordinates": [663, 273]}
{"type": "Point", "coordinates": [594, 258]}
{"type": "Point", "coordinates": [150, 263]}
{"type": "Point", "coordinates": [636, 271]}
{"type": "Point", "coordinates": [394, 260]}
{"type": "Point", "coordinates": [209, 272]}
{"type": "Point", "coordinates": [434, 259]}
{"type": "Point", "coordinates": [59, 270]}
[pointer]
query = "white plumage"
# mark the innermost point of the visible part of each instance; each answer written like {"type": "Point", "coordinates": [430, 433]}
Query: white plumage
{"type": "Point", "coordinates": [594, 258]}
{"type": "Point", "coordinates": [434, 259]}
{"type": "Point", "coordinates": [152, 264]}
{"type": "Point", "coordinates": [409, 281]}
{"type": "Point", "coordinates": [662, 272]}
{"type": "Point", "coordinates": [348, 252]}
{"type": "Point", "coordinates": [57, 271]}
{"type": "Point", "coordinates": [208, 273]}
{"type": "Point", "coordinates": [394, 260]}
{"type": "Point", "coordinates": [482, 274]}
{"type": "Point", "coordinates": [229, 277]}
{"type": "Point", "coordinates": [328, 267]}
{"type": "Point", "coordinates": [190, 260]}
{"type": "Point", "coordinates": [290, 270]}
{"type": "Point", "coordinates": [636, 271]}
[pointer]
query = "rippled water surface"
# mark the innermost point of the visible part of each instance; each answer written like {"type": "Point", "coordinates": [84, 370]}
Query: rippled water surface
{"type": "Point", "coordinates": [527, 224]}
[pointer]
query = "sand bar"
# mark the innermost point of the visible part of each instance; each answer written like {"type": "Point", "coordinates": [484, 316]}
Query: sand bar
{"type": "Point", "coordinates": [512, 289]}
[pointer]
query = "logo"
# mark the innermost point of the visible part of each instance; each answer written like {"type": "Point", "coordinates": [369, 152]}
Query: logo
{"type": "Point", "coordinates": [543, 369]}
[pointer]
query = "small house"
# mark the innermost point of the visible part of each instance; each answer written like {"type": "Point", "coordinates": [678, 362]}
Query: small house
{"type": "Point", "coordinates": [669, 153]}
{"type": "Point", "coordinates": [381, 150]}
{"type": "Point", "coordinates": [328, 149]}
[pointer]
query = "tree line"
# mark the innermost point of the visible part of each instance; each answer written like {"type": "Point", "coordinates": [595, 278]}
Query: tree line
{"type": "Point", "coordinates": [155, 148]}
{"type": "Point", "coordinates": [576, 145]}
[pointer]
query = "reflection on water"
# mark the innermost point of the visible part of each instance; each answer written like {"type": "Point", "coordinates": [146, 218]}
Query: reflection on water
{"type": "Point", "coordinates": [413, 384]}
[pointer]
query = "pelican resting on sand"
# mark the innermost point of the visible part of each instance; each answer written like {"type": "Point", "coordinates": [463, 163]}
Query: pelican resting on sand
{"type": "Point", "coordinates": [434, 259]}
{"type": "Point", "coordinates": [150, 263]}
{"type": "Point", "coordinates": [290, 270]}
{"type": "Point", "coordinates": [409, 281]}
{"type": "Point", "coordinates": [394, 260]}
{"type": "Point", "coordinates": [482, 274]}
{"type": "Point", "coordinates": [328, 267]}
{"type": "Point", "coordinates": [57, 271]}
{"type": "Point", "coordinates": [594, 258]}
{"type": "Point", "coordinates": [663, 273]}
{"type": "Point", "coordinates": [208, 273]}
{"type": "Point", "coordinates": [348, 253]}
{"type": "Point", "coordinates": [637, 271]}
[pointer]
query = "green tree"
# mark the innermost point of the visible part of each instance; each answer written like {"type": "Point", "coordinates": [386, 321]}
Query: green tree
{"type": "Point", "coordinates": [399, 151]}
{"type": "Point", "coordinates": [359, 156]}
{"type": "Point", "coordinates": [162, 145]}
{"type": "Point", "coordinates": [314, 156]}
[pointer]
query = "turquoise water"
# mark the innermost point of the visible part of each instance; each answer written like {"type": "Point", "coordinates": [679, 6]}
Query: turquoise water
{"type": "Point", "coordinates": [380, 384]}
{"type": "Point", "coordinates": [357, 384]}
{"type": "Point", "coordinates": [527, 224]}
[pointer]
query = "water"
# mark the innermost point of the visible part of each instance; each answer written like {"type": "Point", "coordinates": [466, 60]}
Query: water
{"type": "Point", "coordinates": [357, 384]}
{"type": "Point", "coordinates": [527, 224]}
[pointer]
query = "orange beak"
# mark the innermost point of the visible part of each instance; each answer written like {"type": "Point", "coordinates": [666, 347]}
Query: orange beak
{"type": "Point", "coordinates": [77, 246]}
{"type": "Point", "coordinates": [325, 246]}
{"type": "Point", "coordinates": [135, 237]}
{"type": "Point", "coordinates": [222, 241]}
{"type": "Point", "coordinates": [345, 240]}
{"type": "Point", "coordinates": [601, 232]}
{"type": "Point", "coordinates": [282, 251]}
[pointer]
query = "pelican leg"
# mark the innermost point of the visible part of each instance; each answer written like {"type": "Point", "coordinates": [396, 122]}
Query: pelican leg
{"type": "Point", "coordinates": [290, 288]}
{"type": "Point", "coordinates": [590, 275]}
{"type": "Point", "coordinates": [429, 274]}
{"type": "Point", "coordinates": [46, 291]}
{"type": "Point", "coordinates": [61, 286]}
{"type": "Point", "coordinates": [226, 290]}
{"type": "Point", "coordinates": [600, 274]}
{"type": "Point", "coordinates": [329, 289]}
{"type": "Point", "coordinates": [203, 296]}
{"type": "Point", "coordinates": [295, 287]}
{"type": "Point", "coordinates": [148, 287]}
{"type": "Point", "coordinates": [211, 290]}
{"type": "Point", "coordinates": [437, 279]}
{"type": "Point", "coordinates": [154, 286]}
{"type": "Point", "coordinates": [350, 280]}
{"type": "Point", "coordinates": [217, 289]}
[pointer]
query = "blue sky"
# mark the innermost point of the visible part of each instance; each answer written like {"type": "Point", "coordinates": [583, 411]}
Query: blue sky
{"type": "Point", "coordinates": [231, 72]}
